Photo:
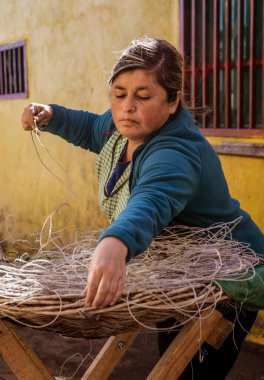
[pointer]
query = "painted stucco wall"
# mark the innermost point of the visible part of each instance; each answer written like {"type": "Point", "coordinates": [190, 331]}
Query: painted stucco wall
{"type": "Point", "coordinates": [245, 177]}
{"type": "Point", "coordinates": [70, 45]}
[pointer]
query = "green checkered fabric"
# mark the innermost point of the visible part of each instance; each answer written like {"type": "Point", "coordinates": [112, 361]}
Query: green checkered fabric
{"type": "Point", "coordinates": [115, 203]}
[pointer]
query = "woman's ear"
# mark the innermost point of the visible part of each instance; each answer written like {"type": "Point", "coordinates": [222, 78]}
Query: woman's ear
{"type": "Point", "coordinates": [174, 104]}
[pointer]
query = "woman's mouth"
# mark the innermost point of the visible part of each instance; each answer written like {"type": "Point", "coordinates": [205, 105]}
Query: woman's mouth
{"type": "Point", "coordinates": [128, 121]}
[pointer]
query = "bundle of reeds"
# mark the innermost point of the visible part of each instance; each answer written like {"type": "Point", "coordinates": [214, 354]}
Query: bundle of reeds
{"type": "Point", "coordinates": [176, 277]}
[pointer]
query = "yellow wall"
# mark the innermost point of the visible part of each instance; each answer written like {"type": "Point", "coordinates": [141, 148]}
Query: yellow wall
{"type": "Point", "coordinates": [245, 176]}
{"type": "Point", "coordinates": [70, 46]}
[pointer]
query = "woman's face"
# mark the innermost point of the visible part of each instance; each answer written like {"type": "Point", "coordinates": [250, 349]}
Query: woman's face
{"type": "Point", "coordinates": [139, 105]}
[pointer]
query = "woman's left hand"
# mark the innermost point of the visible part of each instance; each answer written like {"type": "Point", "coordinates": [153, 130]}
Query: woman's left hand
{"type": "Point", "coordinates": [107, 272]}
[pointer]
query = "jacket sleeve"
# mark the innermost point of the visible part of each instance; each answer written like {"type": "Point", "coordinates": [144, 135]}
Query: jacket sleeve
{"type": "Point", "coordinates": [166, 182]}
{"type": "Point", "coordinates": [248, 290]}
{"type": "Point", "coordinates": [81, 128]}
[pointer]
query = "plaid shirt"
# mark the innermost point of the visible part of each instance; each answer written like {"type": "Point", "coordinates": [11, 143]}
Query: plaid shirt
{"type": "Point", "coordinates": [112, 204]}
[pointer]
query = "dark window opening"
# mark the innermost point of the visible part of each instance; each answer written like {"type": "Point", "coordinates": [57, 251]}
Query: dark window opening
{"type": "Point", "coordinates": [222, 42]}
{"type": "Point", "coordinates": [13, 71]}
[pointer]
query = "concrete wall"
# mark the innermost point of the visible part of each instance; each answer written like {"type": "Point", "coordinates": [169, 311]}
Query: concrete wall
{"type": "Point", "coordinates": [70, 45]}
{"type": "Point", "coordinates": [245, 177]}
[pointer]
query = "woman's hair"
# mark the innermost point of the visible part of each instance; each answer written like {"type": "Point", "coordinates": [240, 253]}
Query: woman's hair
{"type": "Point", "coordinates": [157, 56]}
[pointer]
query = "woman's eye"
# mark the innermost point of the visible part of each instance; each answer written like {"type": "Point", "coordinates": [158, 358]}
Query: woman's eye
{"type": "Point", "coordinates": [139, 97]}
{"type": "Point", "coordinates": [143, 97]}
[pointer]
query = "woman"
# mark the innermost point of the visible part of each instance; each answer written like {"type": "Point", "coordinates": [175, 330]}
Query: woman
{"type": "Point", "coordinates": [154, 169]}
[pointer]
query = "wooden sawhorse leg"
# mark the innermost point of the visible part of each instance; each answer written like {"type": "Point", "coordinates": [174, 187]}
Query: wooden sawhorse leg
{"type": "Point", "coordinates": [109, 356]}
{"type": "Point", "coordinates": [21, 359]}
{"type": "Point", "coordinates": [213, 329]}
{"type": "Point", "coordinates": [27, 366]}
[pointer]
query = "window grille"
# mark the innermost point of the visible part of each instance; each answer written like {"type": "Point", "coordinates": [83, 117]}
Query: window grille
{"type": "Point", "coordinates": [222, 42]}
{"type": "Point", "coordinates": [13, 71]}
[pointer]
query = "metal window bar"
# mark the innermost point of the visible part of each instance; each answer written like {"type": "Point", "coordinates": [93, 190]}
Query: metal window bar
{"type": "Point", "coordinates": [5, 73]}
{"type": "Point", "coordinates": [182, 40]}
{"type": "Point", "coordinates": [1, 75]}
{"type": "Point", "coordinates": [215, 64]}
{"type": "Point", "coordinates": [193, 55]}
{"type": "Point", "coordinates": [13, 71]}
{"type": "Point", "coordinates": [25, 82]}
{"type": "Point", "coordinates": [185, 25]}
{"type": "Point", "coordinates": [227, 86]}
{"type": "Point", "coordinates": [227, 67]}
{"type": "Point", "coordinates": [204, 63]}
{"type": "Point", "coordinates": [252, 84]}
{"type": "Point", "coordinates": [14, 51]}
{"type": "Point", "coordinates": [19, 68]}
{"type": "Point", "coordinates": [10, 71]}
{"type": "Point", "coordinates": [240, 38]}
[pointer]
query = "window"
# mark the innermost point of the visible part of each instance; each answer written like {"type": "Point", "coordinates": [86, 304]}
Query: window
{"type": "Point", "coordinates": [13, 71]}
{"type": "Point", "coordinates": [223, 49]}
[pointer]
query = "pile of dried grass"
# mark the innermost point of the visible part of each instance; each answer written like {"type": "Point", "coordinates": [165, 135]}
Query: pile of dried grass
{"type": "Point", "coordinates": [177, 276]}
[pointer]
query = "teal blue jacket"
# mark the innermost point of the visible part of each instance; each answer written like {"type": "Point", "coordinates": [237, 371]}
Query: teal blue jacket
{"type": "Point", "coordinates": [176, 178]}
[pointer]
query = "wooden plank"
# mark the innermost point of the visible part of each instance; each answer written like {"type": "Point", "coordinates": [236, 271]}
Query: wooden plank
{"type": "Point", "coordinates": [21, 359]}
{"type": "Point", "coordinates": [183, 348]}
{"type": "Point", "coordinates": [220, 333]}
{"type": "Point", "coordinates": [240, 149]}
{"type": "Point", "coordinates": [27, 366]}
{"type": "Point", "coordinates": [109, 356]}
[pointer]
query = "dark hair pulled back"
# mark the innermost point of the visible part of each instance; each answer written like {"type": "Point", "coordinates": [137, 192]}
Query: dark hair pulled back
{"type": "Point", "coordinates": [157, 56]}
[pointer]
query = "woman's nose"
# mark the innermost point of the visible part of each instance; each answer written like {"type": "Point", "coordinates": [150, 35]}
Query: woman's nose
{"type": "Point", "coordinates": [129, 104]}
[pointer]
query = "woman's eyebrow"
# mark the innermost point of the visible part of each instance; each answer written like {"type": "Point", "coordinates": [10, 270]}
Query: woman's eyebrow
{"type": "Point", "coordinates": [118, 87]}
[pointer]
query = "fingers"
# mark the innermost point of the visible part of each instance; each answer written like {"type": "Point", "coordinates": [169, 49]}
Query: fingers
{"type": "Point", "coordinates": [92, 286]}
{"type": "Point", "coordinates": [106, 274]}
{"type": "Point", "coordinates": [118, 292]}
{"type": "Point", "coordinates": [27, 118]}
{"type": "Point", "coordinates": [43, 114]}
{"type": "Point", "coordinates": [36, 114]}
{"type": "Point", "coordinates": [105, 294]}
{"type": "Point", "coordinates": [40, 117]}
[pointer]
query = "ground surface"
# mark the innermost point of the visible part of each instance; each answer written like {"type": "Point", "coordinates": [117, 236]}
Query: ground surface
{"type": "Point", "coordinates": [54, 350]}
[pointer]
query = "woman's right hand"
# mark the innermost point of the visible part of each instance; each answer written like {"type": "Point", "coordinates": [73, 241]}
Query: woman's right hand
{"type": "Point", "coordinates": [36, 114]}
